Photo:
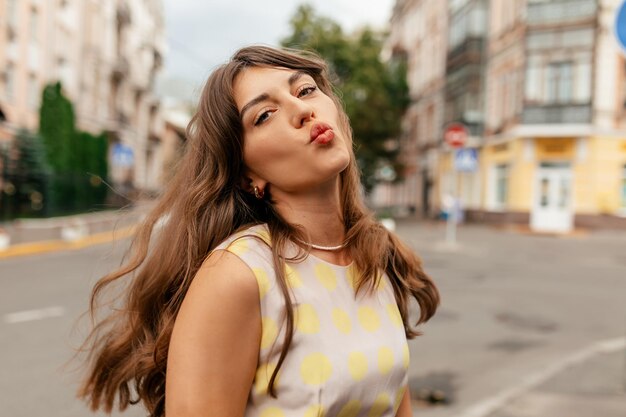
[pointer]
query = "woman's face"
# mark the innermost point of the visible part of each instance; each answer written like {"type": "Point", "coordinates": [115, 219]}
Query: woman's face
{"type": "Point", "coordinates": [292, 135]}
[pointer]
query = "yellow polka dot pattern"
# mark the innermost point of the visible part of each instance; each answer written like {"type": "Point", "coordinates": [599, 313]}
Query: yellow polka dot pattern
{"type": "Point", "coordinates": [357, 365]}
{"type": "Point", "coordinates": [292, 277]}
{"type": "Point", "coordinates": [269, 333]}
{"type": "Point", "coordinates": [351, 409]}
{"type": "Point", "coordinates": [405, 356]}
{"type": "Point", "coordinates": [385, 360]}
{"type": "Point", "coordinates": [315, 369]}
{"type": "Point", "coordinates": [365, 332]}
{"type": "Point", "coordinates": [306, 319]}
{"type": "Point", "coordinates": [264, 235]}
{"type": "Point", "coordinates": [326, 276]}
{"type": "Point", "coordinates": [341, 320]}
{"type": "Point", "coordinates": [272, 412]}
{"type": "Point", "coordinates": [239, 247]}
{"type": "Point", "coordinates": [382, 283]}
{"type": "Point", "coordinates": [351, 276]}
{"type": "Point", "coordinates": [262, 280]}
{"type": "Point", "coordinates": [381, 404]}
{"type": "Point", "coordinates": [369, 319]}
{"type": "Point", "coordinates": [394, 314]}
{"type": "Point", "coordinates": [398, 399]}
{"type": "Point", "coordinates": [262, 378]}
{"type": "Point", "coordinates": [314, 411]}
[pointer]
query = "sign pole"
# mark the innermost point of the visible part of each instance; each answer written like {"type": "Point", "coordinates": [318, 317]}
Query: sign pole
{"type": "Point", "coordinates": [455, 135]}
{"type": "Point", "coordinates": [452, 215]}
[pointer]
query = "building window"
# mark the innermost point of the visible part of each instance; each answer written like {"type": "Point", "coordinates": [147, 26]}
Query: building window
{"type": "Point", "coordinates": [9, 82]}
{"type": "Point", "coordinates": [559, 82]}
{"type": "Point", "coordinates": [12, 12]}
{"type": "Point", "coordinates": [533, 80]}
{"type": "Point", "coordinates": [33, 91]}
{"type": "Point", "coordinates": [34, 26]}
{"type": "Point", "coordinates": [500, 186]}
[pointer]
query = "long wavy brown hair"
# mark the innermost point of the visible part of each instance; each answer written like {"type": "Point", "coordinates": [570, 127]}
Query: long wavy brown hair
{"type": "Point", "coordinates": [206, 202]}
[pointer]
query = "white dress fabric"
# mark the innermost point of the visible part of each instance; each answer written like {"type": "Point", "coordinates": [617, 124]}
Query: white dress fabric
{"type": "Point", "coordinates": [349, 355]}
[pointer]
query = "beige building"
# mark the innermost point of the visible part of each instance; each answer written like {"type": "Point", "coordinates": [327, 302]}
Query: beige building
{"type": "Point", "coordinates": [552, 151]}
{"type": "Point", "coordinates": [419, 32]}
{"type": "Point", "coordinates": [106, 53]}
{"type": "Point", "coordinates": [554, 155]}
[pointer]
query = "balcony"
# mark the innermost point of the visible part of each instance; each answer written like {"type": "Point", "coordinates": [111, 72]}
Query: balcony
{"type": "Point", "coordinates": [561, 12]}
{"type": "Point", "coordinates": [557, 113]}
{"type": "Point", "coordinates": [121, 69]}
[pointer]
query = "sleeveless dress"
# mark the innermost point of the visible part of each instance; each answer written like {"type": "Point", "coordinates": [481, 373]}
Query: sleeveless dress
{"type": "Point", "coordinates": [349, 354]}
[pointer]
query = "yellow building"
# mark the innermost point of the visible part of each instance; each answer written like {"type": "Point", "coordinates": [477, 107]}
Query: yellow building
{"type": "Point", "coordinates": [552, 154]}
{"type": "Point", "coordinates": [550, 183]}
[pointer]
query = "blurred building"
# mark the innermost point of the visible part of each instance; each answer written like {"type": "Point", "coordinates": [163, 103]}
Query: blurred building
{"type": "Point", "coordinates": [551, 140]}
{"type": "Point", "coordinates": [419, 34]}
{"type": "Point", "coordinates": [107, 54]}
{"type": "Point", "coordinates": [176, 118]}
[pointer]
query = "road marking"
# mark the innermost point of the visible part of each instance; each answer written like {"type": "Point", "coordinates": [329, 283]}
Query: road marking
{"type": "Point", "coordinates": [58, 245]}
{"type": "Point", "coordinates": [30, 315]}
{"type": "Point", "coordinates": [492, 404]}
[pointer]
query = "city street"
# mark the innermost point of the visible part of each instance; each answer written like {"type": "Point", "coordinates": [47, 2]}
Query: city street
{"type": "Point", "coordinates": [522, 317]}
{"type": "Point", "coordinates": [513, 306]}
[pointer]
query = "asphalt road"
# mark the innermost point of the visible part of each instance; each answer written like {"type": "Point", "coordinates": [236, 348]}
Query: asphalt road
{"type": "Point", "coordinates": [512, 305]}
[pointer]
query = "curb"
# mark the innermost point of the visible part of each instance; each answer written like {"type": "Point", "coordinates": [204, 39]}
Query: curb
{"type": "Point", "coordinates": [25, 249]}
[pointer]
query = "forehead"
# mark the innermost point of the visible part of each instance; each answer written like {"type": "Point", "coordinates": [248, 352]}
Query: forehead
{"type": "Point", "coordinates": [254, 81]}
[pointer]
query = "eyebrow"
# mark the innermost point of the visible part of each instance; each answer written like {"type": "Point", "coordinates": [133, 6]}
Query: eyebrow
{"type": "Point", "coordinates": [262, 97]}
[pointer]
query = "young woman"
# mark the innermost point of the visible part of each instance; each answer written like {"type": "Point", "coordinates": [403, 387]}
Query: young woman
{"type": "Point", "coordinates": [268, 289]}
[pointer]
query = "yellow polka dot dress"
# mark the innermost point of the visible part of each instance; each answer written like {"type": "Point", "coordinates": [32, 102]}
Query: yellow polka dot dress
{"type": "Point", "coordinates": [349, 355]}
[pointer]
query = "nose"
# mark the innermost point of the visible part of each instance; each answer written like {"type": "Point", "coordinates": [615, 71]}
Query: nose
{"type": "Point", "coordinates": [301, 112]}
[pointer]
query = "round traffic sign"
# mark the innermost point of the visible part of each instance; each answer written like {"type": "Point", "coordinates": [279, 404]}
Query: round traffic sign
{"type": "Point", "coordinates": [456, 135]}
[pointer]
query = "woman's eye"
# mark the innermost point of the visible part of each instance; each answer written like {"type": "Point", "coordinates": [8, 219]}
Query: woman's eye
{"type": "Point", "coordinates": [262, 117]}
{"type": "Point", "coordinates": [306, 91]}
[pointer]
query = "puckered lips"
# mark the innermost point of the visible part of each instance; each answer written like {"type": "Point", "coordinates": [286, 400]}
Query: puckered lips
{"type": "Point", "coordinates": [321, 133]}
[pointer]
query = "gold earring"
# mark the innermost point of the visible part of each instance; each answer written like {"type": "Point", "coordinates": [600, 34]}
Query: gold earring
{"type": "Point", "coordinates": [258, 193]}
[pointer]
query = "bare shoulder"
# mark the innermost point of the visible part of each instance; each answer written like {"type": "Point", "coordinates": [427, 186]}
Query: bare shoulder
{"type": "Point", "coordinates": [227, 273]}
{"type": "Point", "coordinates": [215, 342]}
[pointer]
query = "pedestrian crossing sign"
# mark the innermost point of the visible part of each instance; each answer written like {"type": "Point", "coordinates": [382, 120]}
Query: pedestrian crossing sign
{"type": "Point", "coordinates": [466, 160]}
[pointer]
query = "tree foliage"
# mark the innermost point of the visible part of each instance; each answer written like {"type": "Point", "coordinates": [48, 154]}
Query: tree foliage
{"type": "Point", "coordinates": [56, 126]}
{"type": "Point", "coordinates": [29, 174]}
{"type": "Point", "coordinates": [374, 93]}
{"type": "Point", "coordinates": [78, 159]}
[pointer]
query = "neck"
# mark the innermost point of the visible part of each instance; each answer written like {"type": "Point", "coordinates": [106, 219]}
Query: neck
{"type": "Point", "coordinates": [318, 211]}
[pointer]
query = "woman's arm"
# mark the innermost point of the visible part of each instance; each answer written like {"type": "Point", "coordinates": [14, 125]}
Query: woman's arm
{"type": "Point", "coordinates": [215, 343]}
{"type": "Point", "coordinates": [404, 410]}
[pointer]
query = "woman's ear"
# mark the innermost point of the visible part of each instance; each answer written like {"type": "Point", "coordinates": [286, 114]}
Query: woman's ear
{"type": "Point", "coordinates": [249, 181]}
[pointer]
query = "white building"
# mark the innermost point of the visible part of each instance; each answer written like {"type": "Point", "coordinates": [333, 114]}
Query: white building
{"type": "Point", "coordinates": [106, 53]}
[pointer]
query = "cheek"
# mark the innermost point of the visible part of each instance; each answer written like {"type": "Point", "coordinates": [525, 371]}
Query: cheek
{"type": "Point", "coordinates": [262, 154]}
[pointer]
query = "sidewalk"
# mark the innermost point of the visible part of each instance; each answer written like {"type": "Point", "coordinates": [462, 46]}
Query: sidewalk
{"type": "Point", "coordinates": [33, 236]}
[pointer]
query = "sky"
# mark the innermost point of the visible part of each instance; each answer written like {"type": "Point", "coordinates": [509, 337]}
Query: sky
{"type": "Point", "coordinates": [203, 34]}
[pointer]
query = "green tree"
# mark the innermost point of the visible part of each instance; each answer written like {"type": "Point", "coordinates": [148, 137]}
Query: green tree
{"type": "Point", "coordinates": [78, 159]}
{"type": "Point", "coordinates": [93, 169]}
{"type": "Point", "coordinates": [374, 93]}
{"type": "Point", "coordinates": [56, 126]}
{"type": "Point", "coordinates": [31, 174]}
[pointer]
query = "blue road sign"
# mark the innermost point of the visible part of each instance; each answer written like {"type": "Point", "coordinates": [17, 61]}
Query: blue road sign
{"type": "Point", "coordinates": [466, 160]}
{"type": "Point", "coordinates": [122, 155]}
{"type": "Point", "coordinates": [620, 26]}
